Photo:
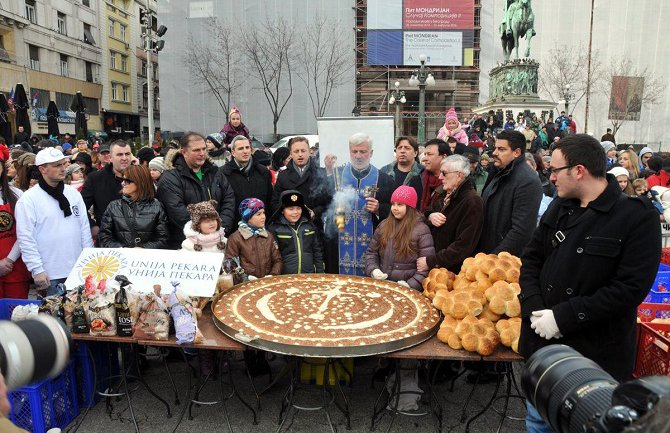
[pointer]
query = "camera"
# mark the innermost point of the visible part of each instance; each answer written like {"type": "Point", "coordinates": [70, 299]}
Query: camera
{"type": "Point", "coordinates": [32, 350]}
{"type": "Point", "coordinates": [574, 394]}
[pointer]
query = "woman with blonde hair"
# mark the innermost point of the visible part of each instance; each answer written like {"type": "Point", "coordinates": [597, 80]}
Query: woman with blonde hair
{"type": "Point", "coordinates": [628, 160]}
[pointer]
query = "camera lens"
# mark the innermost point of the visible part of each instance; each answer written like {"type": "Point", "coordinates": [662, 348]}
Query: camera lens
{"type": "Point", "coordinates": [567, 389]}
{"type": "Point", "coordinates": [32, 350]}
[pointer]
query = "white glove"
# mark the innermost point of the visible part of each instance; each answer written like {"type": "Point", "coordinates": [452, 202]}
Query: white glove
{"type": "Point", "coordinates": [252, 278]}
{"type": "Point", "coordinates": [404, 283]}
{"type": "Point", "coordinates": [377, 274]}
{"type": "Point", "coordinates": [268, 275]}
{"type": "Point", "coordinates": [544, 324]}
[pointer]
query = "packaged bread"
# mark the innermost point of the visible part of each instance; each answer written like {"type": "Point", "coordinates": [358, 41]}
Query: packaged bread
{"type": "Point", "coordinates": [184, 317]}
{"type": "Point", "coordinates": [102, 315]}
{"type": "Point", "coordinates": [153, 322]}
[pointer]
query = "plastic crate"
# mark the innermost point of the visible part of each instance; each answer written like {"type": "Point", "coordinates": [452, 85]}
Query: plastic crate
{"type": "Point", "coordinates": [8, 305]}
{"type": "Point", "coordinates": [648, 312]}
{"type": "Point", "coordinates": [48, 404]}
{"type": "Point", "coordinates": [105, 366]}
{"type": "Point", "coordinates": [660, 290]}
{"type": "Point", "coordinates": [665, 256]}
{"type": "Point", "coordinates": [653, 350]}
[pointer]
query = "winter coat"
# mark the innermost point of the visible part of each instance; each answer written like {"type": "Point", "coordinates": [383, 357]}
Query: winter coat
{"type": "Point", "coordinates": [259, 254]}
{"type": "Point", "coordinates": [196, 241]}
{"type": "Point", "coordinates": [300, 246]}
{"type": "Point", "coordinates": [456, 239]}
{"type": "Point", "coordinates": [660, 179]}
{"type": "Point", "coordinates": [312, 185]}
{"type": "Point", "coordinates": [254, 183]}
{"type": "Point", "coordinates": [100, 189]}
{"type": "Point", "coordinates": [511, 201]}
{"type": "Point", "coordinates": [231, 132]}
{"type": "Point", "coordinates": [459, 134]}
{"type": "Point", "coordinates": [127, 224]}
{"type": "Point", "coordinates": [412, 179]}
{"type": "Point", "coordinates": [400, 268]}
{"type": "Point", "coordinates": [179, 187]}
{"type": "Point", "coordinates": [592, 275]}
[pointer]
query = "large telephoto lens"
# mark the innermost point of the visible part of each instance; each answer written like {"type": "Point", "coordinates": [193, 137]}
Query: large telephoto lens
{"type": "Point", "coordinates": [32, 350]}
{"type": "Point", "coordinates": [567, 389]}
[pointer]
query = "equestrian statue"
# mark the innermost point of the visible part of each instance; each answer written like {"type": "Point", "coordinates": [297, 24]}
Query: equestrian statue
{"type": "Point", "coordinates": [518, 21]}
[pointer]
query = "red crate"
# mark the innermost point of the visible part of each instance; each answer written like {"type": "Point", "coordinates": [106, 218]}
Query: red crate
{"type": "Point", "coordinates": [653, 350]}
{"type": "Point", "coordinates": [665, 256]}
{"type": "Point", "coordinates": [647, 312]}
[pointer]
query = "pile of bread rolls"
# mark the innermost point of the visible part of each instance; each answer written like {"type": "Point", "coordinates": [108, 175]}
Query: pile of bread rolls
{"type": "Point", "coordinates": [480, 304]}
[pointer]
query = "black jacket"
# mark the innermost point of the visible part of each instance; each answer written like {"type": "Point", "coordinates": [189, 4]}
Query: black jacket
{"type": "Point", "coordinates": [312, 185]}
{"type": "Point", "coordinates": [128, 224]}
{"type": "Point", "coordinates": [511, 204]}
{"type": "Point", "coordinates": [254, 183]}
{"type": "Point", "coordinates": [300, 246]}
{"type": "Point", "coordinates": [179, 187]}
{"type": "Point", "coordinates": [100, 189]}
{"type": "Point", "coordinates": [595, 278]}
{"type": "Point", "coordinates": [20, 137]}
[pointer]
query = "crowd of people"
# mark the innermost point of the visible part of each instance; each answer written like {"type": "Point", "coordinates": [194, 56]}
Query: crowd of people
{"type": "Point", "coordinates": [475, 188]}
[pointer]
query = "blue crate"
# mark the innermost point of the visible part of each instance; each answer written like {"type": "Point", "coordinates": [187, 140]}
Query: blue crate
{"type": "Point", "coordinates": [105, 365]}
{"type": "Point", "coordinates": [48, 404]}
{"type": "Point", "coordinates": [662, 267]}
{"type": "Point", "coordinates": [8, 305]}
{"type": "Point", "coordinates": [657, 296]}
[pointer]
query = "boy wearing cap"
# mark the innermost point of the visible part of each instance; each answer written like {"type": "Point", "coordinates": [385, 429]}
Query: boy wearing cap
{"type": "Point", "coordinates": [52, 223]}
{"type": "Point", "coordinates": [298, 237]}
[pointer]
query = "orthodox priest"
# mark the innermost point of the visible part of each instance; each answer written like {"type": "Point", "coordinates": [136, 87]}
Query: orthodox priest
{"type": "Point", "coordinates": [361, 200]}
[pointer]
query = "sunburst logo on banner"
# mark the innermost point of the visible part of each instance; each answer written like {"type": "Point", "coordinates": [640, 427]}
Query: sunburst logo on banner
{"type": "Point", "coordinates": [102, 267]}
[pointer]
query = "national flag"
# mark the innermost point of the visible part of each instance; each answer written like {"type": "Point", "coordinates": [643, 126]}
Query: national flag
{"type": "Point", "coordinates": [34, 98]}
{"type": "Point", "coordinates": [10, 101]}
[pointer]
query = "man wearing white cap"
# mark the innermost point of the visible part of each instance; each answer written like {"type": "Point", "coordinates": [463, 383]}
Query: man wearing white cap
{"type": "Point", "coordinates": [51, 223]}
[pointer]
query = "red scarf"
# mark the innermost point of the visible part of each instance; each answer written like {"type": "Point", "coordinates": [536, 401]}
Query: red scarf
{"type": "Point", "coordinates": [430, 182]}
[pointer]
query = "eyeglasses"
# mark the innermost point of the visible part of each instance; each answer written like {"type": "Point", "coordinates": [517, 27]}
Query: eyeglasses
{"type": "Point", "coordinates": [554, 170]}
{"type": "Point", "coordinates": [444, 173]}
{"type": "Point", "coordinates": [126, 181]}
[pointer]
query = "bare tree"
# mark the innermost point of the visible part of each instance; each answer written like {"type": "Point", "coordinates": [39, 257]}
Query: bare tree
{"type": "Point", "coordinates": [324, 62]}
{"type": "Point", "coordinates": [629, 88]}
{"type": "Point", "coordinates": [269, 50]}
{"type": "Point", "coordinates": [212, 62]}
{"type": "Point", "coordinates": [569, 67]}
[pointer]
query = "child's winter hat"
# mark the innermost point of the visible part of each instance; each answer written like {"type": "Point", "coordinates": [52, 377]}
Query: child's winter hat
{"type": "Point", "coordinates": [451, 115]}
{"type": "Point", "coordinates": [291, 197]}
{"type": "Point", "coordinates": [250, 207]}
{"type": "Point", "coordinates": [158, 164]}
{"type": "Point", "coordinates": [216, 138]}
{"type": "Point", "coordinates": [72, 168]}
{"type": "Point", "coordinates": [234, 110]}
{"type": "Point", "coordinates": [202, 210]}
{"type": "Point", "coordinates": [405, 195]}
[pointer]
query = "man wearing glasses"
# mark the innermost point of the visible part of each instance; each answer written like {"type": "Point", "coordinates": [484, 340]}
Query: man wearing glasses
{"type": "Point", "coordinates": [51, 223]}
{"type": "Point", "coordinates": [589, 264]}
{"type": "Point", "coordinates": [511, 199]}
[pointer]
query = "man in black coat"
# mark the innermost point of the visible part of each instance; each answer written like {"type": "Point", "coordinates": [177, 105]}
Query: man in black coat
{"type": "Point", "coordinates": [21, 135]}
{"type": "Point", "coordinates": [304, 175]}
{"type": "Point", "coordinates": [193, 180]}
{"type": "Point", "coordinates": [248, 178]}
{"type": "Point", "coordinates": [590, 263]}
{"type": "Point", "coordinates": [511, 199]}
{"type": "Point", "coordinates": [104, 186]}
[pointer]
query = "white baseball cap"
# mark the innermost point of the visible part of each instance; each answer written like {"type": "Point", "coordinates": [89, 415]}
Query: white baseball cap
{"type": "Point", "coordinates": [48, 155]}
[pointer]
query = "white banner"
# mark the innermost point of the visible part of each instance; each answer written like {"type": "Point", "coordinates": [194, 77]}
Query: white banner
{"type": "Point", "coordinates": [440, 48]}
{"type": "Point", "coordinates": [196, 271]}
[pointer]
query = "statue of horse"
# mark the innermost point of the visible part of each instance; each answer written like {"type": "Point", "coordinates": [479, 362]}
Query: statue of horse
{"type": "Point", "coordinates": [521, 23]}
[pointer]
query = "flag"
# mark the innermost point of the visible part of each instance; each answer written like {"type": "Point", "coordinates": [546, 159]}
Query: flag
{"type": "Point", "coordinates": [34, 98]}
{"type": "Point", "coordinates": [10, 100]}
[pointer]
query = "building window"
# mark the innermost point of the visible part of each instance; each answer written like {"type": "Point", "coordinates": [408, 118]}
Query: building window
{"type": "Point", "coordinates": [4, 55]}
{"type": "Point", "coordinates": [88, 35]}
{"type": "Point", "coordinates": [144, 68]}
{"type": "Point", "coordinates": [111, 28]}
{"type": "Point", "coordinates": [34, 54]}
{"type": "Point", "coordinates": [86, 3]}
{"type": "Point", "coordinates": [89, 72]}
{"type": "Point", "coordinates": [122, 32]}
{"type": "Point", "coordinates": [112, 60]}
{"type": "Point", "coordinates": [63, 65]}
{"type": "Point", "coordinates": [91, 106]}
{"type": "Point", "coordinates": [125, 93]}
{"type": "Point", "coordinates": [114, 92]}
{"type": "Point", "coordinates": [31, 14]}
{"type": "Point", "coordinates": [124, 63]}
{"type": "Point", "coordinates": [64, 100]}
{"type": "Point", "coordinates": [62, 25]}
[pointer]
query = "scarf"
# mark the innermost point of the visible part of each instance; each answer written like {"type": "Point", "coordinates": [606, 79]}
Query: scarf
{"type": "Point", "coordinates": [210, 240]}
{"type": "Point", "coordinates": [430, 182]}
{"type": "Point", "coordinates": [260, 231]}
{"type": "Point", "coordinates": [57, 194]}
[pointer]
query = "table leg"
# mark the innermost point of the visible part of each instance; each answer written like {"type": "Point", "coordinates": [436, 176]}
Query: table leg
{"type": "Point", "coordinates": [237, 394]}
{"type": "Point", "coordinates": [146, 386]}
{"type": "Point", "coordinates": [488, 405]}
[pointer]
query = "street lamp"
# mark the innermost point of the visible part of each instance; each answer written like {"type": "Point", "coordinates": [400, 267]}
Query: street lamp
{"type": "Point", "coordinates": [422, 78]}
{"type": "Point", "coordinates": [397, 95]}
{"type": "Point", "coordinates": [567, 97]}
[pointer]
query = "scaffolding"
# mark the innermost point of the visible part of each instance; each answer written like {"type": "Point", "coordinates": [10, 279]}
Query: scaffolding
{"type": "Point", "coordinates": [455, 86]}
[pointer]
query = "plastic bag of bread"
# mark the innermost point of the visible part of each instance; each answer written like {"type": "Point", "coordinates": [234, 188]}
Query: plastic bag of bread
{"type": "Point", "coordinates": [23, 312]}
{"type": "Point", "coordinates": [509, 330]}
{"type": "Point", "coordinates": [503, 298]}
{"type": "Point", "coordinates": [183, 316]}
{"type": "Point", "coordinates": [102, 315]}
{"type": "Point", "coordinates": [124, 323]}
{"type": "Point", "coordinates": [459, 304]}
{"type": "Point", "coordinates": [153, 322]}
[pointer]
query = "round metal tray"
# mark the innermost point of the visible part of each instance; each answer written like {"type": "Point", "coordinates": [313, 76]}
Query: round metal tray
{"type": "Point", "coordinates": [322, 351]}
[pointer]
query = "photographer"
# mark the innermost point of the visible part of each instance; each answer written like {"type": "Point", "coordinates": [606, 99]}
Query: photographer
{"type": "Point", "coordinates": [590, 263]}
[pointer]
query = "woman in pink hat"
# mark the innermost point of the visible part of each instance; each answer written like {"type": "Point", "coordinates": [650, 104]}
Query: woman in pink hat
{"type": "Point", "coordinates": [399, 241]}
{"type": "Point", "coordinates": [452, 128]}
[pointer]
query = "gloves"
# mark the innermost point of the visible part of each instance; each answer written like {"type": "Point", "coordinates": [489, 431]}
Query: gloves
{"type": "Point", "coordinates": [252, 278]}
{"type": "Point", "coordinates": [544, 324]}
{"type": "Point", "coordinates": [404, 283]}
{"type": "Point", "coordinates": [377, 274]}
{"type": "Point", "coordinates": [268, 275]}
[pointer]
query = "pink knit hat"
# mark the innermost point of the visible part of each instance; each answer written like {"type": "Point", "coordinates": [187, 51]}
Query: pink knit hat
{"type": "Point", "coordinates": [451, 115]}
{"type": "Point", "coordinates": [404, 195]}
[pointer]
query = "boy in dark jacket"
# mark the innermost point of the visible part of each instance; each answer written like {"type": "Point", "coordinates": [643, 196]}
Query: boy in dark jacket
{"type": "Point", "coordinates": [298, 237]}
